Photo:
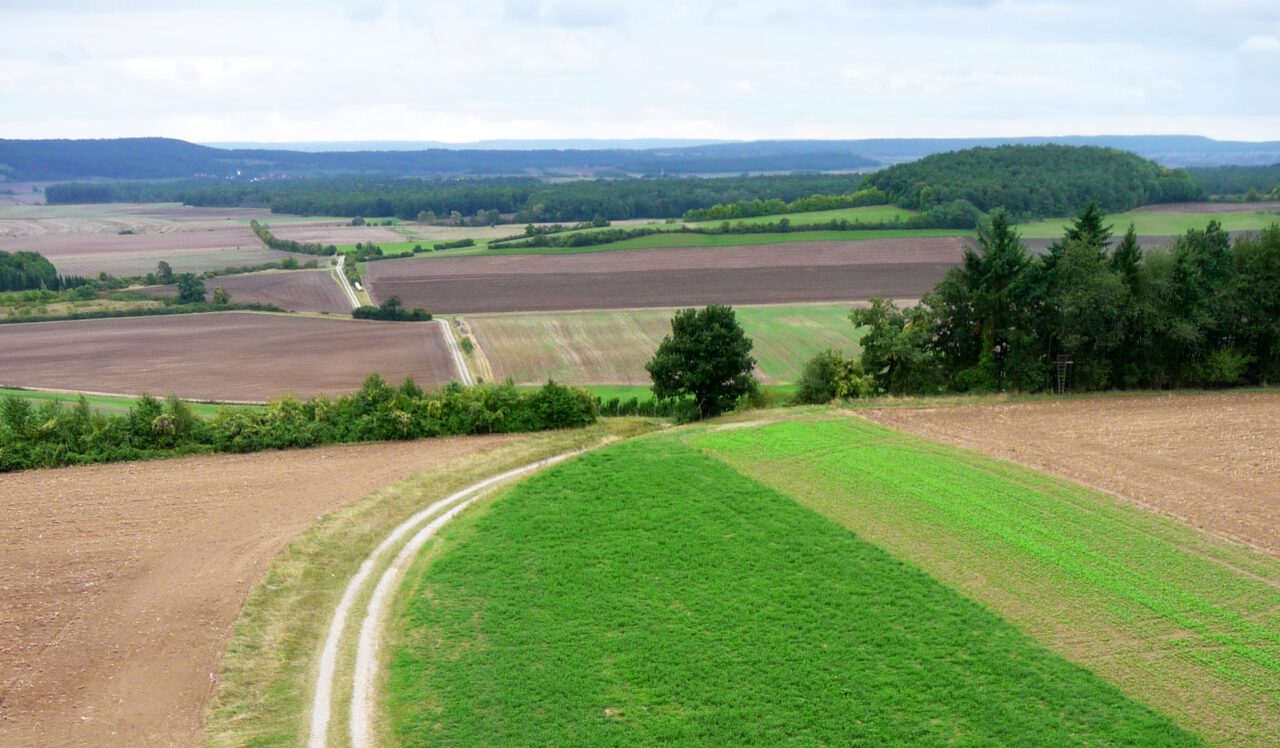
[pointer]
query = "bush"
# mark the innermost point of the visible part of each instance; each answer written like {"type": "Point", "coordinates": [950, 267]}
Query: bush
{"type": "Point", "coordinates": [831, 375]}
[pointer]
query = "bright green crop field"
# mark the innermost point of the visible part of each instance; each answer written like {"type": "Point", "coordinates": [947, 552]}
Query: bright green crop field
{"type": "Point", "coordinates": [101, 403]}
{"type": "Point", "coordinates": [1182, 621]}
{"type": "Point", "coordinates": [649, 594]}
{"type": "Point", "coordinates": [865, 214]}
{"type": "Point", "coordinates": [1151, 223]}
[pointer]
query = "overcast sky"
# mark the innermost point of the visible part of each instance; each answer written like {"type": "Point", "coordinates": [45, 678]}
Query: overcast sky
{"type": "Point", "coordinates": [299, 70]}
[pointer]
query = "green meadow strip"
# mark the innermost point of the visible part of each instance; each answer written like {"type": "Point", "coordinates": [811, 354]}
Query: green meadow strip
{"type": "Point", "coordinates": [649, 594]}
{"type": "Point", "coordinates": [1176, 618]}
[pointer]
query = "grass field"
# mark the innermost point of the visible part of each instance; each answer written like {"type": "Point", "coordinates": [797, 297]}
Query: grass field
{"type": "Point", "coordinates": [1153, 223]}
{"type": "Point", "coordinates": [649, 594]}
{"type": "Point", "coordinates": [1182, 621]}
{"type": "Point", "coordinates": [99, 403]}
{"type": "Point", "coordinates": [611, 348]}
{"type": "Point", "coordinates": [866, 214]}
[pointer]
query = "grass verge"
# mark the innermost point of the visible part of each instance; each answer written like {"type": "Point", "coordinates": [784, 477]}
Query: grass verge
{"type": "Point", "coordinates": [648, 594]}
{"type": "Point", "coordinates": [1176, 618]}
{"type": "Point", "coordinates": [264, 690]}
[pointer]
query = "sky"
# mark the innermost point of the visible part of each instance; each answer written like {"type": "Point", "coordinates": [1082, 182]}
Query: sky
{"type": "Point", "coordinates": [322, 70]}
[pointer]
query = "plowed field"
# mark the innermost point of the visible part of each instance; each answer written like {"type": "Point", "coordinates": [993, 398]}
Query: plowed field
{"type": "Point", "coordinates": [296, 290]}
{"type": "Point", "coordinates": [1211, 461]}
{"type": "Point", "coordinates": [225, 356]}
{"type": "Point", "coordinates": [761, 274]}
{"type": "Point", "coordinates": [121, 582]}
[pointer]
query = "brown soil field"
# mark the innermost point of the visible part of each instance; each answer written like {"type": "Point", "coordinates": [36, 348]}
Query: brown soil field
{"type": "Point", "coordinates": [137, 254]}
{"type": "Point", "coordinates": [333, 232]}
{"type": "Point", "coordinates": [1207, 208]}
{"type": "Point", "coordinates": [1211, 461]}
{"type": "Point", "coordinates": [222, 356]}
{"type": "Point", "coordinates": [121, 583]}
{"type": "Point", "coordinates": [764, 274]}
{"type": "Point", "coordinates": [294, 290]}
{"type": "Point", "coordinates": [190, 213]}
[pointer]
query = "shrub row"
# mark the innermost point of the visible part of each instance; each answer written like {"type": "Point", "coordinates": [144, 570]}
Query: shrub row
{"type": "Point", "coordinates": [52, 435]}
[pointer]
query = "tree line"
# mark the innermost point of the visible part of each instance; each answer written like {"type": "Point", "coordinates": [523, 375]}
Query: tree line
{"type": "Point", "coordinates": [52, 435]}
{"type": "Point", "coordinates": [1204, 312]}
{"type": "Point", "coordinates": [1263, 182]}
{"type": "Point", "coordinates": [289, 245]}
{"type": "Point", "coordinates": [23, 271]}
{"type": "Point", "coordinates": [774, 206]}
{"type": "Point", "coordinates": [1035, 181]}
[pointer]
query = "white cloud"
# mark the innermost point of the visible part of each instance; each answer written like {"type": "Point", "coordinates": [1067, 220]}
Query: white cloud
{"type": "Point", "coordinates": [1261, 45]}
{"type": "Point", "coordinates": [394, 69]}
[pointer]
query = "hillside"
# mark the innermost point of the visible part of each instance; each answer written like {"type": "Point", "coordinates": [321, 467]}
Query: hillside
{"type": "Point", "coordinates": [163, 158]}
{"type": "Point", "coordinates": [1039, 180]}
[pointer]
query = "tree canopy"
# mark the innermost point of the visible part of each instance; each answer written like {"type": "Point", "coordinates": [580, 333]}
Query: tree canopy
{"type": "Point", "coordinates": [707, 357]}
{"type": "Point", "coordinates": [1035, 180]}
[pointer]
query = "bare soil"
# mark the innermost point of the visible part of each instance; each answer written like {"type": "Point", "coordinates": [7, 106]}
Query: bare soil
{"type": "Point", "coordinates": [1207, 208]}
{"type": "Point", "coordinates": [1211, 461]}
{"type": "Point", "coordinates": [121, 583]}
{"type": "Point", "coordinates": [764, 274]}
{"type": "Point", "coordinates": [294, 290]}
{"type": "Point", "coordinates": [223, 356]}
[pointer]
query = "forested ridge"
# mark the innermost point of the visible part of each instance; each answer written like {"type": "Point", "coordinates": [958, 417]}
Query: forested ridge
{"type": "Point", "coordinates": [1034, 181]}
{"type": "Point", "coordinates": [1262, 181]}
{"type": "Point", "coordinates": [527, 198]}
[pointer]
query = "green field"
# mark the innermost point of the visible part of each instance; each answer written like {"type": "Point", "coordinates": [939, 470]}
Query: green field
{"type": "Point", "coordinates": [1149, 223]}
{"type": "Point", "coordinates": [100, 403]}
{"type": "Point", "coordinates": [865, 214]}
{"type": "Point", "coordinates": [611, 348]}
{"type": "Point", "coordinates": [649, 594]}
{"type": "Point", "coordinates": [1175, 618]}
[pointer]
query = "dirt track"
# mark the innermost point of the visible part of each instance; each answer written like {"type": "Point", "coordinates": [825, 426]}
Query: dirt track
{"type": "Point", "coordinates": [762, 274]}
{"type": "Point", "coordinates": [1212, 461]}
{"type": "Point", "coordinates": [225, 356]}
{"type": "Point", "coordinates": [121, 582]}
{"type": "Point", "coordinates": [294, 290]}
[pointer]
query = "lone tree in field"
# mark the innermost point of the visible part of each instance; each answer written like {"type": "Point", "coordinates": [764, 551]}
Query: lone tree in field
{"type": "Point", "coordinates": [190, 289]}
{"type": "Point", "coordinates": [706, 356]}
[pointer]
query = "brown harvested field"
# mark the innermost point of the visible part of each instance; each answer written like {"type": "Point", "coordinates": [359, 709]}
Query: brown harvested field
{"type": "Point", "coordinates": [294, 290]}
{"type": "Point", "coordinates": [88, 239]}
{"type": "Point", "coordinates": [222, 356]}
{"type": "Point", "coordinates": [333, 232]}
{"type": "Point", "coordinates": [1207, 208]}
{"type": "Point", "coordinates": [762, 274]}
{"type": "Point", "coordinates": [1212, 461]}
{"type": "Point", "coordinates": [121, 583]}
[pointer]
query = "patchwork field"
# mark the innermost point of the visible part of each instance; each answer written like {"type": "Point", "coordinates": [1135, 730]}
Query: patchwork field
{"type": "Point", "coordinates": [613, 347]}
{"type": "Point", "coordinates": [122, 582]}
{"type": "Point", "coordinates": [293, 290]}
{"type": "Point", "coordinates": [652, 593]}
{"type": "Point", "coordinates": [770, 274]}
{"type": "Point", "coordinates": [1182, 621]}
{"type": "Point", "coordinates": [1208, 460]}
{"type": "Point", "coordinates": [224, 356]}
{"type": "Point", "coordinates": [128, 240]}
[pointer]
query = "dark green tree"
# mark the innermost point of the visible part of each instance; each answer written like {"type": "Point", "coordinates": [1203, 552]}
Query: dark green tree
{"type": "Point", "coordinates": [164, 272]}
{"type": "Point", "coordinates": [707, 357]}
{"type": "Point", "coordinates": [221, 295]}
{"type": "Point", "coordinates": [190, 289]}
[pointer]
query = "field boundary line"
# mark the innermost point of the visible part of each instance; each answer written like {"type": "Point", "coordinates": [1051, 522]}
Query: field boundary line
{"type": "Point", "coordinates": [343, 283]}
{"type": "Point", "coordinates": [460, 363]}
{"type": "Point", "coordinates": [322, 695]}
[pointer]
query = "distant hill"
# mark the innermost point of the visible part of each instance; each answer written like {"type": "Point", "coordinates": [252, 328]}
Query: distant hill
{"type": "Point", "coordinates": [164, 158]}
{"type": "Point", "coordinates": [1034, 180]}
